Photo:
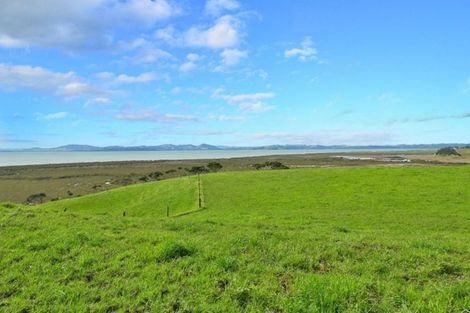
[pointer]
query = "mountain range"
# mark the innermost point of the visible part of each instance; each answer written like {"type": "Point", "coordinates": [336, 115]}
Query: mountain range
{"type": "Point", "coordinates": [190, 147]}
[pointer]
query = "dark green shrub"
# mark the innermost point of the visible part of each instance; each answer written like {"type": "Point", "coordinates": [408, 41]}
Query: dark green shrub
{"type": "Point", "coordinates": [447, 152]}
{"type": "Point", "coordinates": [270, 165]}
{"type": "Point", "coordinates": [151, 177]}
{"type": "Point", "coordinates": [155, 175]}
{"type": "Point", "coordinates": [214, 166]}
{"type": "Point", "coordinates": [197, 170]}
{"type": "Point", "coordinates": [36, 198]}
{"type": "Point", "coordinates": [170, 250]}
{"type": "Point", "coordinates": [276, 165]}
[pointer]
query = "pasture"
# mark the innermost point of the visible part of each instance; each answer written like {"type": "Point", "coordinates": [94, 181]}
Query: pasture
{"type": "Point", "coordinates": [371, 239]}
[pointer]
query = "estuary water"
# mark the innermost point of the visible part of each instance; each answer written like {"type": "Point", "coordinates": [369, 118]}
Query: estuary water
{"type": "Point", "coordinates": [36, 158]}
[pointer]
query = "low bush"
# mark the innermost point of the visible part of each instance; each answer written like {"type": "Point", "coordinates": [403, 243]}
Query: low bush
{"type": "Point", "coordinates": [36, 198]}
{"type": "Point", "coordinates": [151, 177]}
{"type": "Point", "coordinates": [214, 166]}
{"type": "Point", "coordinates": [170, 250]}
{"type": "Point", "coordinates": [197, 170]}
{"type": "Point", "coordinates": [447, 152]}
{"type": "Point", "coordinates": [270, 165]}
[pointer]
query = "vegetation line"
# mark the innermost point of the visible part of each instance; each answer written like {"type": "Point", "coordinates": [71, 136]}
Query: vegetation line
{"type": "Point", "coordinates": [200, 192]}
{"type": "Point", "coordinates": [188, 212]}
{"type": "Point", "coordinates": [201, 205]}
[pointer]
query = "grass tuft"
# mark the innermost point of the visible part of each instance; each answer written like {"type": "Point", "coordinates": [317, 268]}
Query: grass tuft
{"type": "Point", "coordinates": [227, 264]}
{"type": "Point", "coordinates": [170, 250]}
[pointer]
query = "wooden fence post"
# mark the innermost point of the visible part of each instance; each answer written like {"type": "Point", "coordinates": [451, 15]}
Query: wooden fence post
{"type": "Point", "coordinates": [199, 189]}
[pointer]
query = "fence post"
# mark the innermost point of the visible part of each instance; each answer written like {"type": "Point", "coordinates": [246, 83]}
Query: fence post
{"type": "Point", "coordinates": [167, 210]}
{"type": "Point", "coordinates": [199, 189]}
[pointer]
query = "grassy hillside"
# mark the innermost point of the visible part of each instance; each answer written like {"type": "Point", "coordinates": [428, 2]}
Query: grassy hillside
{"type": "Point", "coordinates": [311, 240]}
{"type": "Point", "coordinates": [142, 200]}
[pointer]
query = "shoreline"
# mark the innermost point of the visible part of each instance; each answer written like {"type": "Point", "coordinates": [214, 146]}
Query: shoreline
{"type": "Point", "coordinates": [202, 158]}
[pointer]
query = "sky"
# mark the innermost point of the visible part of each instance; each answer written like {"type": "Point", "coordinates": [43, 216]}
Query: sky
{"type": "Point", "coordinates": [234, 72]}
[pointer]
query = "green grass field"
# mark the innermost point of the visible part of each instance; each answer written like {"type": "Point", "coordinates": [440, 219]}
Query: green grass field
{"type": "Point", "coordinates": [307, 240]}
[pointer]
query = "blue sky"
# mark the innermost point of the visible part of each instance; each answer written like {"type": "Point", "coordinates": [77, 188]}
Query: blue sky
{"type": "Point", "coordinates": [233, 72]}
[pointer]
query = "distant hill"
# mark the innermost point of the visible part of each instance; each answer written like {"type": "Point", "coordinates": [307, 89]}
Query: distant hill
{"type": "Point", "coordinates": [190, 147]}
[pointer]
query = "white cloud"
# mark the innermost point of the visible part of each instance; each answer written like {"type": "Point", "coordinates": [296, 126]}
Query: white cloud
{"type": "Point", "coordinates": [325, 137]}
{"type": "Point", "coordinates": [143, 11]}
{"type": "Point", "coordinates": [97, 101]}
{"type": "Point", "coordinates": [166, 34]}
{"type": "Point", "coordinates": [145, 114]}
{"type": "Point", "coordinates": [168, 117]}
{"type": "Point", "coordinates": [84, 24]}
{"type": "Point", "coordinates": [262, 74]}
{"type": "Point", "coordinates": [223, 34]}
{"type": "Point", "coordinates": [76, 88]}
{"type": "Point", "coordinates": [191, 63]}
{"type": "Point", "coordinates": [193, 57]}
{"type": "Point", "coordinates": [105, 75]}
{"type": "Point", "coordinates": [127, 79]}
{"type": "Point", "coordinates": [52, 116]}
{"type": "Point", "coordinates": [192, 90]}
{"type": "Point", "coordinates": [187, 67]}
{"type": "Point", "coordinates": [247, 102]}
{"type": "Point", "coordinates": [256, 107]}
{"type": "Point", "coordinates": [228, 118]}
{"type": "Point", "coordinates": [9, 42]}
{"type": "Point", "coordinates": [142, 78]}
{"type": "Point", "coordinates": [216, 7]}
{"type": "Point", "coordinates": [305, 52]}
{"type": "Point", "coordinates": [256, 73]}
{"type": "Point", "coordinates": [243, 98]}
{"type": "Point", "coordinates": [132, 44]}
{"type": "Point", "coordinates": [36, 78]}
{"type": "Point", "coordinates": [66, 84]}
{"type": "Point", "coordinates": [150, 55]}
{"type": "Point", "coordinates": [231, 57]}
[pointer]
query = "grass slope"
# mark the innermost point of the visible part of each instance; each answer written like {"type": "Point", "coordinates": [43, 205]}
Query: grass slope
{"type": "Point", "coordinates": [142, 200]}
{"type": "Point", "coordinates": [315, 240]}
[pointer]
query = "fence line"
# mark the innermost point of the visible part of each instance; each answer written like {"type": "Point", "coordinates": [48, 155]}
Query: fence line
{"type": "Point", "coordinates": [201, 205]}
{"type": "Point", "coordinates": [200, 193]}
